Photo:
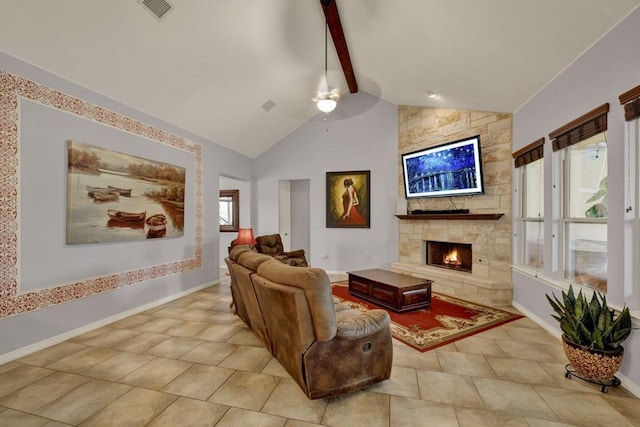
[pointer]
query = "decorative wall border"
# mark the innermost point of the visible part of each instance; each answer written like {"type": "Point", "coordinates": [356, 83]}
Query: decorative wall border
{"type": "Point", "coordinates": [11, 303]}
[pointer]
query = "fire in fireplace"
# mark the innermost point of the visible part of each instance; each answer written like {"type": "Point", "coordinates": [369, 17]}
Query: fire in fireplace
{"type": "Point", "coordinates": [455, 256]}
{"type": "Point", "coordinates": [451, 259]}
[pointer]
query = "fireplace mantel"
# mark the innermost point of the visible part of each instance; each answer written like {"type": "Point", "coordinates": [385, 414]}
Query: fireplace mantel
{"type": "Point", "coordinates": [467, 216]}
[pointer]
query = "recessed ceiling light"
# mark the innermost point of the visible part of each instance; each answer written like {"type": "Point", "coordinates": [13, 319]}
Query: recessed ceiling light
{"type": "Point", "coordinates": [433, 95]}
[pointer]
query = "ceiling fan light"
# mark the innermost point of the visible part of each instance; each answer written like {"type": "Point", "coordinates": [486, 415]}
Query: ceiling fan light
{"type": "Point", "coordinates": [326, 105]}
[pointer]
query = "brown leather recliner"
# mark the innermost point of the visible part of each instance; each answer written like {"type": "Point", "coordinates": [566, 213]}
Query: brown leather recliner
{"type": "Point", "coordinates": [327, 349]}
{"type": "Point", "coordinates": [272, 245]}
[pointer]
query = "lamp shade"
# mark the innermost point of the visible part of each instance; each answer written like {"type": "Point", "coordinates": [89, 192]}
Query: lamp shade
{"type": "Point", "coordinates": [326, 105]}
{"type": "Point", "coordinates": [245, 237]}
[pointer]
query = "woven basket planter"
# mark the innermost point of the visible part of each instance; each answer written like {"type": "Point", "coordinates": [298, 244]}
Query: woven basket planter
{"type": "Point", "coordinates": [598, 365]}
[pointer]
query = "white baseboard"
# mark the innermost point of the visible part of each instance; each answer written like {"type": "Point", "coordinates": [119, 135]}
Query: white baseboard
{"type": "Point", "coordinates": [40, 345]}
{"type": "Point", "coordinates": [629, 385]}
{"type": "Point", "coordinates": [546, 326]}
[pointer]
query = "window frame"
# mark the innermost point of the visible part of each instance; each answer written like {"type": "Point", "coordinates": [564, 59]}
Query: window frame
{"type": "Point", "coordinates": [235, 206]}
{"type": "Point", "coordinates": [567, 220]}
{"type": "Point", "coordinates": [530, 154]}
{"type": "Point", "coordinates": [630, 100]}
{"type": "Point", "coordinates": [583, 128]}
{"type": "Point", "coordinates": [525, 219]}
{"type": "Point", "coordinates": [632, 213]}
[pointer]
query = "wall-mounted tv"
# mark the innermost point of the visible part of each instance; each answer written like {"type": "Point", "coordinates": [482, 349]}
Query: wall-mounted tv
{"type": "Point", "coordinates": [451, 169]}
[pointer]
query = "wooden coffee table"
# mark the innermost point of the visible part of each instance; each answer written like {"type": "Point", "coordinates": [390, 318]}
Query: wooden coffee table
{"type": "Point", "coordinates": [397, 292]}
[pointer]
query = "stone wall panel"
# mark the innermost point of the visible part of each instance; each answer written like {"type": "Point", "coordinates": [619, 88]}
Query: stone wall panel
{"type": "Point", "coordinates": [421, 127]}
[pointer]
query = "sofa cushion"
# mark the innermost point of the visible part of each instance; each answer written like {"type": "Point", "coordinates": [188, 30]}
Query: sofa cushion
{"type": "Point", "coordinates": [252, 260]}
{"type": "Point", "coordinates": [238, 250]}
{"type": "Point", "coordinates": [270, 244]}
{"type": "Point", "coordinates": [317, 288]}
{"type": "Point", "coordinates": [346, 314]}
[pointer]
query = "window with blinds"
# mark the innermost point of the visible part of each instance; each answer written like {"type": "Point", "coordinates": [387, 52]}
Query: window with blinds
{"type": "Point", "coordinates": [530, 236]}
{"type": "Point", "coordinates": [582, 146]}
{"type": "Point", "coordinates": [630, 100]}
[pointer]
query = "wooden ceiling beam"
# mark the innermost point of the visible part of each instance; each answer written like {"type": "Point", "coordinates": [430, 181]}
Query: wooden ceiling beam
{"type": "Point", "coordinates": [337, 35]}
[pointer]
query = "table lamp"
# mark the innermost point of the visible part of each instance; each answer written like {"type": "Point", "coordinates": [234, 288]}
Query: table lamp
{"type": "Point", "coordinates": [245, 237]}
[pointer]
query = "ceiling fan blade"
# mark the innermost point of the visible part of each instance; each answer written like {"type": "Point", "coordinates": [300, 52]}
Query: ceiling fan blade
{"type": "Point", "coordinates": [337, 35]}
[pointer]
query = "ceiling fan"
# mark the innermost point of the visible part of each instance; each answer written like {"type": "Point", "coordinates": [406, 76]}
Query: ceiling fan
{"type": "Point", "coordinates": [326, 99]}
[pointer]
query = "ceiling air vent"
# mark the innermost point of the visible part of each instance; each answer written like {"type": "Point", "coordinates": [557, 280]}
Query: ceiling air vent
{"type": "Point", "coordinates": [268, 105]}
{"type": "Point", "coordinates": [158, 7]}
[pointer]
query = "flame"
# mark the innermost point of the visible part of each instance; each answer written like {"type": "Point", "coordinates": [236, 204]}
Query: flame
{"type": "Point", "coordinates": [452, 258]}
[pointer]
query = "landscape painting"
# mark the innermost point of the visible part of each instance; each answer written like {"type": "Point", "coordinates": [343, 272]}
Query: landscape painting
{"type": "Point", "coordinates": [113, 196]}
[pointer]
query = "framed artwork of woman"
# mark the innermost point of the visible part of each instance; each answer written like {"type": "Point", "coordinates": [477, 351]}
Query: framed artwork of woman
{"type": "Point", "coordinates": [348, 199]}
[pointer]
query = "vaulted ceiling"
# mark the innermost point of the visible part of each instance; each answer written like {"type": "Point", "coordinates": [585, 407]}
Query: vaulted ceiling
{"type": "Point", "coordinates": [213, 67]}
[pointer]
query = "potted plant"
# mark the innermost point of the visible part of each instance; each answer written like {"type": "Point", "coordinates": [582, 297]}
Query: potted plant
{"type": "Point", "coordinates": [592, 334]}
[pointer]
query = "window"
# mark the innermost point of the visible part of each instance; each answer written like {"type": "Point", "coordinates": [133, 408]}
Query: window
{"type": "Point", "coordinates": [582, 147]}
{"type": "Point", "coordinates": [229, 210]}
{"type": "Point", "coordinates": [584, 191]}
{"type": "Point", "coordinates": [632, 282]}
{"type": "Point", "coordinates": [631, 102]}
{"type": "Point", "coordinates": [532, 232]}
{"type": "Point", "coordinates": [529, 161]}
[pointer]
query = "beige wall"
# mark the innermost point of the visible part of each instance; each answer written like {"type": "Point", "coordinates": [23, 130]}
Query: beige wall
{"type": "Point", "coordinates": [420, 127]}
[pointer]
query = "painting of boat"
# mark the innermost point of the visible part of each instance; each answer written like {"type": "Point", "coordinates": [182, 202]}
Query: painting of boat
{"type": "Point", "coordinates": [126, 192]}
{"type": "Point", "coordinates": [91, 190]}
{"type": "Point", "coordinates": [154, 234]}
{"type": "Point", "coordinates": [128, 217]}
{"type": "Point", "coordinates": [143, 198]}
{"type": "Point", "coordinates": [129, 225]}
{"type": "Point", "coordinates": [157, 222]}
{"type": "Point", "coordinates": [100, 196]}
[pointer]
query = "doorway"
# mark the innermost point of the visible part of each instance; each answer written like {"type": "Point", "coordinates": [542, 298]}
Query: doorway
{"type": "Point", "coordinates": [295, 215]}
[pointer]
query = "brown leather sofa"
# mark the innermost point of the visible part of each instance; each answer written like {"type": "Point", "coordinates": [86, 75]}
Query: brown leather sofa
{"type": "Point", "coordinates": [327, 348]}
{"type": "Point", "coordinates": [271, 244]}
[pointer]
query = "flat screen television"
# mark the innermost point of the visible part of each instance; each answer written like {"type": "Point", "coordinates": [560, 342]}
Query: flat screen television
{"type": "Point", "coordinates": [450, 169]}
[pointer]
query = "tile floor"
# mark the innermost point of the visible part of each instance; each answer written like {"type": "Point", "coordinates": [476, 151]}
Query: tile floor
{"type": "Point", "coordinates": [191, 362]}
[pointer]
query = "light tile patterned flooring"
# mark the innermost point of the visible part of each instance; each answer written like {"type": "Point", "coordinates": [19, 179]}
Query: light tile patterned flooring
{"type": "Point", "coordinates": [191, 362]}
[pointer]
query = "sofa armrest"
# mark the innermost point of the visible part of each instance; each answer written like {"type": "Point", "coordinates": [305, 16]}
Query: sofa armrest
{"type": "Point", "coordinates": [299, 253]}
{"type": "Point", "coordinates": [363, 324]}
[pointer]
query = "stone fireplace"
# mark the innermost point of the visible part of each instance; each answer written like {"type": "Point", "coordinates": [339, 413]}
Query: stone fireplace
{"type": "Point", "coordinates": [486, 278]}
{"type": "Point", "coordinates": [451, 255]}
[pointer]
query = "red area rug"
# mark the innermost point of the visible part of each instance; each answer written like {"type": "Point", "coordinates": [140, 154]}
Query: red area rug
{"type": "Point", "coordinates": [448, 319]}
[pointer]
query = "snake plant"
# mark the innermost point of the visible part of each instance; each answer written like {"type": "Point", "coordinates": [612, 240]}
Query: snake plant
{"type": "Point", "coordinates": [591, 323]}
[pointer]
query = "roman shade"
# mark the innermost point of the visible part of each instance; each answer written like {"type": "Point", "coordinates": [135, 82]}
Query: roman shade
{"type": "Point", "coordinates": [584, 127]}
{"type": "Point", "coordinates": [631, 101]}
{"type": "Point", "coordinates": [530, 153]}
